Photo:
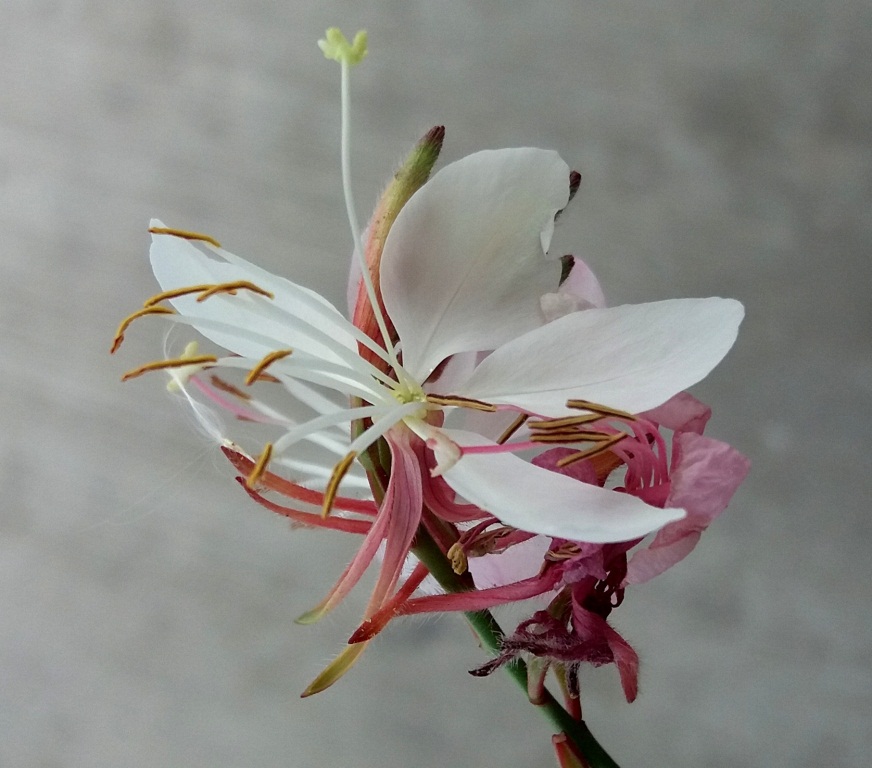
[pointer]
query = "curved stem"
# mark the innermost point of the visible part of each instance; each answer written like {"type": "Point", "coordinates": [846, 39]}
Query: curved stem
{"type": "Point", "coordinates": [432, 539]}
{"type": "Point", "coordinates": [490, 634]}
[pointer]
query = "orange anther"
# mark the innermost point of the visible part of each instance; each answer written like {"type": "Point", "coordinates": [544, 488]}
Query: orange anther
{"type": "Point", "coordinates": [339, 471]}
{"type": "Point", "coordinates": [259, 468]}
{"type": "Point", "coordinates": [255, 373]}
{"type": "Point", "coordinates": [184, 234]}
{"type": "Point", "coordinates": [125, 323]}
{"type": "Point", "coordinates": [179, 362]}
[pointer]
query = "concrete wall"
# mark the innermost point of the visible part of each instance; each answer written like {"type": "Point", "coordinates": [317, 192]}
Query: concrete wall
{"type": "Point", "coordinates": [147, 607]}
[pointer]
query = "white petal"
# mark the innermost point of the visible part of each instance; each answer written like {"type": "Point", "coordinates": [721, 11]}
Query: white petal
{"type": "Point", "coordinates": [463, 267]}
{"type": "Point", "coordinates": [632, 357]}
{"type": "Point", "coordinates": [296, 317]}
{"type": "Point", "coordinates": [533, 499]}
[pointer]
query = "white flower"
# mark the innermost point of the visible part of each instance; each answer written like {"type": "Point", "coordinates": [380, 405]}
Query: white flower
{"type": "Point", "coordinates": [464, 270]}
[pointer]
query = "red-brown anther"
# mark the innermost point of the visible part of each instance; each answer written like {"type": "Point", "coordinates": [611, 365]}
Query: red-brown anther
{"type": "Point", "coordinates": [179, 362]}
{"type": "Point", "coordinates": [258, 371]}
{"type": "Point", "coordinates": [232, 288]}
{"type": "Point", "coordinates": [184, 234]}
{"type": "Point", "coordinates": [339, 471]}
{"type": "Point", "coordinates": [260, 466]}
{"type": "Point", "coordinates": [570, 436]}
{"type": "Point", "coordinates": [568, 421]}
{"type": "Point", "coordinates": [461, 402]}
{"type": "Point", "coordinates": [226, 386]}
{"type": "Point", "coordinates": [125, 323]}
{"type": "Point", "coordinates": [604, 410]}
{"type": "Point", "coordinates": [206, 290]}
{"type": "Point", "coordinates": [519, 422]}
{"type": "Point", "coordinates": [593, 451]}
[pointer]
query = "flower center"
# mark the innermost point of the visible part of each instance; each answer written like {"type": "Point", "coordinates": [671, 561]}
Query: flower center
{"type": "Point", "coordinates": [408, 391]}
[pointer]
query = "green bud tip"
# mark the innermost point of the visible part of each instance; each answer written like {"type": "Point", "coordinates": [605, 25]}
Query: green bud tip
{"type": "Point", "coordinates": [336, 46]}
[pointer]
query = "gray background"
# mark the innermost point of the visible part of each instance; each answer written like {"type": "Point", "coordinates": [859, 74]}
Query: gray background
{"type": "Point", "coordinates": [147, 608]}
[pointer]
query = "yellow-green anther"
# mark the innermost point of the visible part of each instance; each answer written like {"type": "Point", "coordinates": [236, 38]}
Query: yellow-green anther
{"type": "Point", "coordinates": [336, 46]}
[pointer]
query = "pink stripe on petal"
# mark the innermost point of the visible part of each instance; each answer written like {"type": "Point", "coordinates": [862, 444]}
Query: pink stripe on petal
{"type": "Point", "coordinates": [481, 599]}
{"type": "Point", "coordinates": [293, 491]}
{"type": "Point", "coordinates": [402, 508]}
{"type": "Point", "coordinates": [312, 519]}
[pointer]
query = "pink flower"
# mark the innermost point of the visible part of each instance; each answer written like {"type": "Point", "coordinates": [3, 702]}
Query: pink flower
{"type": "Point", "coordinates": [460, 325]}
{"type": "Point", "coordinates": [588, 580]}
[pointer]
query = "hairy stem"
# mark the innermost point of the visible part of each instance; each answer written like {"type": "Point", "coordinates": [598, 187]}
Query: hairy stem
{"type": "Point", "coordinates": [490, 633]}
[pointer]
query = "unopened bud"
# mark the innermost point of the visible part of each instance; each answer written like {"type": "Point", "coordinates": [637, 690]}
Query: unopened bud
{"type": "Point", "coordinates": [408, 179]}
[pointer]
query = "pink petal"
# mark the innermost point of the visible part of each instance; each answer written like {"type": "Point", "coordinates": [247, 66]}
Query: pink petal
{"type": "Point", "coordinates": [681, 413]}
{"type": "Point", "coordinates": [402, 502]}
{"type": "Point", "coordinates": [580, 291]}
{"type": "Point", "coordinates": [705, 476]}
{"type": "Point", "coordinates": [396, 523]}
{"type": "Point", "coordinates": [597, 633]}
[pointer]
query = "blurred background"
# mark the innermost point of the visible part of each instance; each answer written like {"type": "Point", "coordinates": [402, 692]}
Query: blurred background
{"type": "Point", "coordinates": [147, 606]}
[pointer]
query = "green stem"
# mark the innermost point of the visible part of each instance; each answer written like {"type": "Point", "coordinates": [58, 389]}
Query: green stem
{"type": "Point", "coordinates": [434, 532]}
{"type": "Point", "coordinates": [490, 633]}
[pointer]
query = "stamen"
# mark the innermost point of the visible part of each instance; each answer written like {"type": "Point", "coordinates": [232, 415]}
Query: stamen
{"type": "Point", "coordinates": [459, 561]}
{"type": "Point", "coordinates": [259, 468]}
{"type": "Point", "coordinates": [586, 405]}
{"type": "Point", "coordinates": [184, 234]}
{"type": "Point", "coordinates": [178, 362]}
{"type": "Point", "coordinates": [176, 292]}
{"type": "Point", "coordinates": [232, 288]}
{"type": "Point", "coordinates": [270, 378]}
{"type": "Point", "coordinates": [206, 290]}
{"type": "Point", "coordinates": [226, 386]}
{"type": "Point", "coordinates": [563, 551]}
{"type": "Point", "coordinates": [513, 427]}
{"type": "Point", "coordinates": [125, 323]}
{"type": "Point", "coordinates": [568, 421]}
{"type": "Point", "coordinates": [267, 361]}
{"type": "Point", "coordinates": [571, 436]}
{"type": "Point", "coordinates": [339, 471]}
{"type": "Point", "coordinates": [595, 450]}
{"type": "Point", "coordinates": [461, 402]}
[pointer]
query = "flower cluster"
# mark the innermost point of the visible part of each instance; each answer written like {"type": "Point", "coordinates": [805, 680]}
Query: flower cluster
{"type": "Point", "coordinates": [482, 418]}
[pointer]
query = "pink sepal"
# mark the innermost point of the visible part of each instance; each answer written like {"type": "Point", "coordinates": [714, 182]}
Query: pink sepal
{"type": "Point", "coordinates": [681, 413]}
{"type": "Point", "coordinates": [311, 519]}
{"type": "Point", "coordinates": [705, 475]}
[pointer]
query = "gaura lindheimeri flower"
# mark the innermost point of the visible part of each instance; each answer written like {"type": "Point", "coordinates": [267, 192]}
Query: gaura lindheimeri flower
{"type": "Point", "coordinates": [465, 358]}
{"type": "Point", "coordinates": [588, 580]}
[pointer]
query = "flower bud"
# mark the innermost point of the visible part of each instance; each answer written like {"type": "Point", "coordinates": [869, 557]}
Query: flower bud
{"type": "Point", "coordinates": [410, 177]}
